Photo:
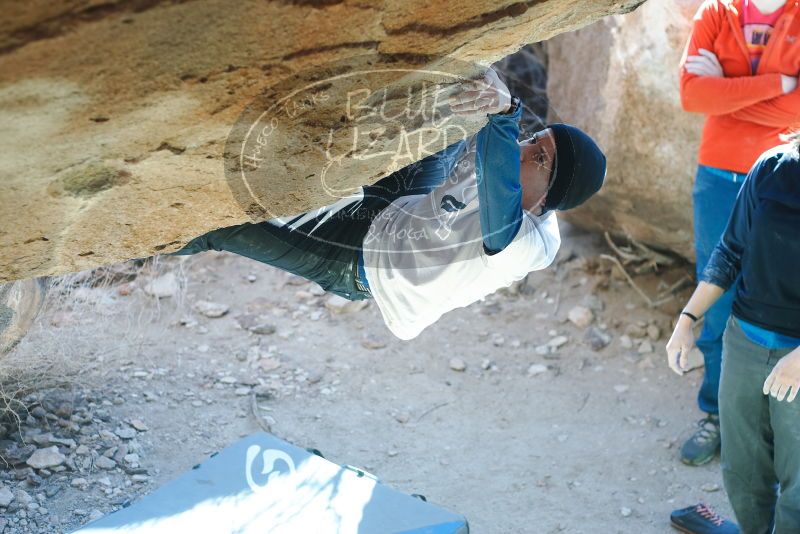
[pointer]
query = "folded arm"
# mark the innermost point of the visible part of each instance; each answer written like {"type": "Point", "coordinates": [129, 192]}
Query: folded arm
{"type": "Point", "coordinates": [780, 112]}
{"type": "Point", "coordinates": [718, 95]}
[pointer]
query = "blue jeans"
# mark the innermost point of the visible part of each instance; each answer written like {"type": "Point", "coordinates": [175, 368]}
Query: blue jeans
{"type": "Point", "coordinates": [714, 195]}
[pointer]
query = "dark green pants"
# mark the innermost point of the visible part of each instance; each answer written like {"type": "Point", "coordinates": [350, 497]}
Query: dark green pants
{"type": "Point", "coordinates": [318, 257]}
{"type": "Point", "coordinates": [324, 245]}
{"type": "Point", "coordinates": [760, 439]}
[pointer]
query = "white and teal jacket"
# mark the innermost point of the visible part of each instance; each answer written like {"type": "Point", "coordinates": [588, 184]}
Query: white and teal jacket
{"type": "Point", "coordinates": [427, 254]}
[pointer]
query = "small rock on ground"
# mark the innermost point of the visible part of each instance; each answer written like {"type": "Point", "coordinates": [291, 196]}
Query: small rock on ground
{"type": "Point", "coordinates": [6, 496]}
{"type": "Point", "coordinates": [336, 304]}
{"type": "Point", "coordinates": [580, 316]}
{"type": "Point", "coordinates": [139, 425]}
{"type": "Point", "coordinates": [164, 286]}
{"type": "Point", "coordinates": [373, 343]}
{"type": "Point", "coordinates": [536, 369]}
{"type": "Point", "coordinates": [653, 332]}
{"type": "Point", "coordinates": [597, 338]}
{"type": "Point", "coordinates": [125, 432]}
{"type": "Point", "coordinates": [457, 364]}
{"type": "Point", "coordinates": [105, 463]}
{"type": "Point", "coordinates": [44, 458]}
{"type": "Point", "coordinates": [263, 329]}
{"type": "Point", "coordinates": [210, 309]}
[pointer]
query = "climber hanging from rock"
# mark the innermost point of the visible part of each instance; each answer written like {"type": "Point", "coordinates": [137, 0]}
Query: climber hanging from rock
{"type": "Point", "coordinates": [443, 232]}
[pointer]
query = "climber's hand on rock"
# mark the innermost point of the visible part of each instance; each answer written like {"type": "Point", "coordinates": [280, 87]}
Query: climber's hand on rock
{"type": "Point", "coordinates": [484, 96]}
{"type": "Point", "coordinates": [704, 64]}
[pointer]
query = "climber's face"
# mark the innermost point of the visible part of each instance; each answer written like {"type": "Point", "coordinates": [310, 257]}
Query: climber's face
{"type": "Point", "coordinates": [537, 159]}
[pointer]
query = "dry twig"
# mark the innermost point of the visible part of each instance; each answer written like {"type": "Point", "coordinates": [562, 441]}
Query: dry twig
{"type": "Point", "coordinates": [628, 278]}
{"type": "Point", "coordinates": [429, 410]}
{"type": "Point", "coordinates": [626, 256]}
{"type": "Point", "coordinates": [639, 253]}
{"type": "Point", "coordinates": [650, 302]}
{"type": "Point", "coordinates": [256, 416]}
{"type": "Point", "coordinates": [676, 287]}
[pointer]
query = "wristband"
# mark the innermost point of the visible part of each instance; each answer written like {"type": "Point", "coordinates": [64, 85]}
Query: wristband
{"type": "Point", "coordinates": [691, 316]}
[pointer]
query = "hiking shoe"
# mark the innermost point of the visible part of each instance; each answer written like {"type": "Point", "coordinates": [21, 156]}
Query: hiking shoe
{"type": "Point", "coordinates": [704, 443]}
{"type": "Point", "coordinates": [701, 519]}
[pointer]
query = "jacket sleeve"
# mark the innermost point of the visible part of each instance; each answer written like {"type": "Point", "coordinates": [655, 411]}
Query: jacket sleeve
{"type": "Point", "coordinates": [718, 95]}
{"type": "Point", "coordinates": [725, 263]}
{"type": "Point", "coordinates": [497, 171]}
{"type": "Point", "coordinates": [779, 112]}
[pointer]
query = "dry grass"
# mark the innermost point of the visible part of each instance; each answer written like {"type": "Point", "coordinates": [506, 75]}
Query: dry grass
{"type": "Point", "coordinates": [80, 312]}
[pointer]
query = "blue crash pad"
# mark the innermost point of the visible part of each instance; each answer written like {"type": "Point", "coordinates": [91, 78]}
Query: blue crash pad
{"type": "Point", "coordinates": [262, 484]}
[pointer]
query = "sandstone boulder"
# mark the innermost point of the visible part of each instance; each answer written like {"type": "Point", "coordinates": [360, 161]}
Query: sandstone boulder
{"type": "Point", "coordinates": [625, 93]}
{"type": "Point", "coordinates": [115, 116]}
{"type": "Point", "coordinates": [20, 302]}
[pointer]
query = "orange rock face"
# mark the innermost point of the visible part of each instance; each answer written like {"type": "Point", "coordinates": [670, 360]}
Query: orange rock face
{"type": "Point", "coordinates": [115, 115]}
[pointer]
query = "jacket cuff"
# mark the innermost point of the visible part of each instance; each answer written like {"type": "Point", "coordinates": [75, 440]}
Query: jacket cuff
{"type": "Point", "coordinates": [514, 113]}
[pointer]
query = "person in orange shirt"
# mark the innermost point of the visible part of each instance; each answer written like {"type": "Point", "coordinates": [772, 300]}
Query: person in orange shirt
{"type": "Point", "coordinates": [740, 68]}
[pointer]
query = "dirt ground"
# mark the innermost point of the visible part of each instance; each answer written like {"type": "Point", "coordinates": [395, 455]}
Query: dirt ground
{"type": "Point", "coordinates": [586, 444]}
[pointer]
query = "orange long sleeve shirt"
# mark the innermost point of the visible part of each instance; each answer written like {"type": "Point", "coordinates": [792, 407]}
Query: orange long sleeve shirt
{"type": "Point", "coordinates": [745, 112]}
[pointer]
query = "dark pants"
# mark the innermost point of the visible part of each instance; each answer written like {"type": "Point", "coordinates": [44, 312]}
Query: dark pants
{"type": "Point", "coordinates": [713, 198]}
{"type": "Point", "coordinates": [324, 245]}
{"type": "Point", "coordinates": [760, 439]}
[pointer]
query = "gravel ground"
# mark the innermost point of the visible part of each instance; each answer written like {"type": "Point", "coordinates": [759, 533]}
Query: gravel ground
{"type": "Point", "coordinates": [544, 408]}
